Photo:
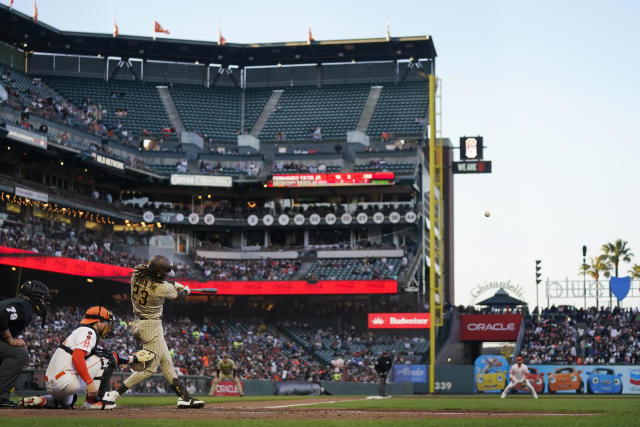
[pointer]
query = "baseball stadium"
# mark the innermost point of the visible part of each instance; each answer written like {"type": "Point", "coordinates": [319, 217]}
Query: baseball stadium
{"type": "Point", "coordinates": [265, 233]}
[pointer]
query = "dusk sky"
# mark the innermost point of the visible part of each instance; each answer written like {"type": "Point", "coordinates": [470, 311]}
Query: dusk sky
{"type": "Point", "coordinates": [552, 86]}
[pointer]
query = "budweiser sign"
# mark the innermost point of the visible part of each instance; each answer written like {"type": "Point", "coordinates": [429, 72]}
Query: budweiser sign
{"type": "Point", "coordinates": [490, 327]}
{"type": "Point", "coordinates": [399, 320]}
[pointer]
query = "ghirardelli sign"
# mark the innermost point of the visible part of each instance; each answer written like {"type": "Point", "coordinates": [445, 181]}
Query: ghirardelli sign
{"type": "Point", "coordinates": [490, 327]}
{"type": "Point", "coordinates": [488, 286]}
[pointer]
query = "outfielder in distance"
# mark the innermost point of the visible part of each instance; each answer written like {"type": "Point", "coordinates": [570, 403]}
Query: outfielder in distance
{"type": "Point", "coordinates": [226, 370]}
{"type": "Point", "coordinates": [148, 292]}
{"type": "Point", "coordinates": [78, 364]}
{"type": "Point", "coordinates": [518, 374]}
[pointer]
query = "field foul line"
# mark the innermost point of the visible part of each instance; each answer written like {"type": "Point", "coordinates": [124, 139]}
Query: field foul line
{"type": "Point", "coordinates": [309, 404]}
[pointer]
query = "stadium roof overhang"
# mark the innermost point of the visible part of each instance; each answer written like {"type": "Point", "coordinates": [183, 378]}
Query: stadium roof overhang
{"type": "Point", "coordinates": [19, 30]}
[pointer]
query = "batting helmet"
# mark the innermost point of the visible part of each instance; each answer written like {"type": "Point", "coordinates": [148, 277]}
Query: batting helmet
{"type": "Point", "coordinates": [160, 266]}
{"type": "Point", "coordinates": [37, 293]}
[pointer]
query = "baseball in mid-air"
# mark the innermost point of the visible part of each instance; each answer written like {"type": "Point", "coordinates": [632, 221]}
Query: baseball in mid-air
{"type": "Point", "coordinates": [487, 214]}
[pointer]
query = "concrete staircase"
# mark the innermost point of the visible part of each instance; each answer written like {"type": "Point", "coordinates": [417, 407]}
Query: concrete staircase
{"type": "Point", "coordinates": [171, 109]}
{"type": "Point", "coordinates": [369, 108]}
{"type": "Point", "coordinates": [268, 109]}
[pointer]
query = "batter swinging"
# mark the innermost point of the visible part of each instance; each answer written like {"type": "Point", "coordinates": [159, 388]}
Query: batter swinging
{"type": "Point", "coordinates": [148, 292]}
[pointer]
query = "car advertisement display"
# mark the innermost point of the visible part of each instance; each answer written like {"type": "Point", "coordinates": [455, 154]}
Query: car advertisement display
{"type": "Point", "coordinates": [490, 373]}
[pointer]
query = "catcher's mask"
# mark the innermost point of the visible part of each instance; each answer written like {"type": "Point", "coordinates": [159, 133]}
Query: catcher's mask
{"type": "Point", "coordinates": [161, 266]}
{"type": "Point", "coordinates": [37, 293]}
{"type": "Point", "coordinates": [97, 314]}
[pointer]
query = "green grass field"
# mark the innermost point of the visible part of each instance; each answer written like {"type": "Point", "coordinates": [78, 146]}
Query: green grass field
{"type": "Point", "coordinates": [605, 411]}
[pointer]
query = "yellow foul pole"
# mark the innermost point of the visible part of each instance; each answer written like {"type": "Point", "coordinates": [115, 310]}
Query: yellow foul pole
{"type": "Point", "coordinates": [432, 236]}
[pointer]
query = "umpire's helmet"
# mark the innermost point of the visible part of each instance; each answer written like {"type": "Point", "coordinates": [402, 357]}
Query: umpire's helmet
{"type": "Point", "coordinates": [37, 293]}
{"type": "Point", "coordinates": [160, 266]}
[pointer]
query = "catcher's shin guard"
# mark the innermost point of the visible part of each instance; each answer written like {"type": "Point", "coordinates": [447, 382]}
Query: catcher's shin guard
{"type": "Point", "coordinates": [179, 389]}
{"type": "Point", "coordinates": [104, 378]}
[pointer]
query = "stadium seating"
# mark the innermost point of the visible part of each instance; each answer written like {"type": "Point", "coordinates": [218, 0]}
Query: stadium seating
{"type": "Point", "coordinates": [214, 112]}
{"type": "Point", "coordinates": [401, 168]}
{"type": "Point", "coordinates": [141, 100]}
{"type": "Point", "coordinates": [335, 109]}
{"type": "Point", "coordinates": [399, 107]}
{"type": "Point", "coordinates": [355, 268]}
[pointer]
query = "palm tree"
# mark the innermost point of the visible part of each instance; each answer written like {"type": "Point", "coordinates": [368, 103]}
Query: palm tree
{"type": "Point", "coordinates": [599, 264]}
{"type": "Point", "coordinates": [616, 252]}
{"type": "Point", "coordinates": [635, 271]}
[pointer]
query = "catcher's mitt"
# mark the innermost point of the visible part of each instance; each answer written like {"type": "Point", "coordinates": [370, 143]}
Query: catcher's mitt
{"type": "Point", "coordinates": [141, 360]}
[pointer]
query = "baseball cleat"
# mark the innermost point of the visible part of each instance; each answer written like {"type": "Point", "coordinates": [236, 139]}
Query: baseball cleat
{"type": "Point", "coordinates": [32, 402]}
{"type": "Point", "coordinates": [502, 396]}
{"type": "Point", "coordinates": [190, 404]}
{"type": "Point", "coordinates": [8, 404]}
{"type": "Point", "coordinates": [110, 397]}
{"type": "Point", "coordinates": [99, 405]}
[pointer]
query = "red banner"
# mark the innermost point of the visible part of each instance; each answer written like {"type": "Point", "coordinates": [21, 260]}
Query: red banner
{"type": "Point", "coordinates": [76, 267]}
{"type": "Point", "coordinates": [226, 388]}
{"type": "Point", "coordinates": [296, 287]}
{"type": "Point", "coordinates": [399, 320]}
{"type": "Point", "coordinates": [490, 327]}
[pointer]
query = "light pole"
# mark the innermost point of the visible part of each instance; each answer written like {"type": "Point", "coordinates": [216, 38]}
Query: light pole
{"type": "Point", "coordinates": [584, 274]}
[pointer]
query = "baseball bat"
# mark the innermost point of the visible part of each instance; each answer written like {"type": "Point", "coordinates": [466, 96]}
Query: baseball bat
{"type": "Point", "coordinates": [206, 290]}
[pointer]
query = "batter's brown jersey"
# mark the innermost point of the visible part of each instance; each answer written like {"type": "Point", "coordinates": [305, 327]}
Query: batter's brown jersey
{"type": "Point", "coordinates": [147, 296]}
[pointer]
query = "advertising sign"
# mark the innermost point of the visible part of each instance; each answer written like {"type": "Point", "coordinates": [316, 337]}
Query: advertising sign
{"type": "Point", "coordinates": [27, 137]}
{"type": "Point", "coordinates": [490, 373]}
{"type": "Point", "coordinates": [31, 194]}
{"type": "Point", "coordinates": [399, 321]}
{"type": "Point", "coordinates": [490, 327]}
{"type": "Point", "coordinates": [409, 373]}
{"type": "Point", "coordinates": [226, 388]}
{"type": "Point", "coordinates": [482, 166]}
{"type": "Point", "coordinates": [200, 180]}
{"type": "Point", "coordinates": [471, 148]}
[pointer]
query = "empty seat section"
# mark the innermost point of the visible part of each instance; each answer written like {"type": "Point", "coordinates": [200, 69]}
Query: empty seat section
{"type": "Point", "coordinates": [213, 112]}
{"type": "Point", "coordinates": [400, 108]}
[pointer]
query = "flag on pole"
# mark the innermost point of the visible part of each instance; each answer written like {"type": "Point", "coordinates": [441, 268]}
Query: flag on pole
{"type": "Point", "coordinates": [35, 11]}
{"type": "Point", "coordinates": [309, 35]}
{"type": "Point", "coordinates": [158, 28]}
{"type": "Point", "coordinates": [116, 31]}
{"type": "Point", "coordinates": [221, 40]}
{"type": "Point", "coordinates": [10, 4]}
{"type": "Point", "coordinates": [388, 30]}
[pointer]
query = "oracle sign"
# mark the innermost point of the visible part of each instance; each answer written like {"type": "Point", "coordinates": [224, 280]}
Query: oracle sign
{"type": "Point", "coordinates": [226, 388]}
{"type": "Point", "coordinates": [399, 321]}
{"type": "Point", "coordinates": [490, 327]}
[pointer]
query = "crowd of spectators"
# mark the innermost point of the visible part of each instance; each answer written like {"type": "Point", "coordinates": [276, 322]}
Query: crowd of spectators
{"type": "Point", "coordinates": [261, 351]}
{"type": "Point", "coordinates": [61, 239]}
{"type": "Point", "coordinates": [240, 168]}
{"type": "Point", "coordinates": [265, 269]}
{"type": "Point", "coordinates": [299, 167]}
{"type": "Point", "coordinates": [566, 335]}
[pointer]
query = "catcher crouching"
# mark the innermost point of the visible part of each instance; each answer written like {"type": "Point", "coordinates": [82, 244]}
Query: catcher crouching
{"type": "Point", "coordinates": [79, 364]}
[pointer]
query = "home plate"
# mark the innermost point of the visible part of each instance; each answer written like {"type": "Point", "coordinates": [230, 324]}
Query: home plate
{"type": "Point", "coordinates": [378, 397]}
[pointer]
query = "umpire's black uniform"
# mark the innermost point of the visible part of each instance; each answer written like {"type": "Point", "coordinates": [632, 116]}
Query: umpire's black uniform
{"type": "Point", "coordinates": [383, 366]}
{"type": "Point", "coordinates": [15, 315]}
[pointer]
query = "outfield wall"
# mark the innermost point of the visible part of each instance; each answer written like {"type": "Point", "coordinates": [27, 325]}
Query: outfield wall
{"type": "Point", "coordinates": [450, 379]}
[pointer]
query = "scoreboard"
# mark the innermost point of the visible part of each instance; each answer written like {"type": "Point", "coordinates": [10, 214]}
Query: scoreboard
{"type": "Point", "coordinates": [331, 179]}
